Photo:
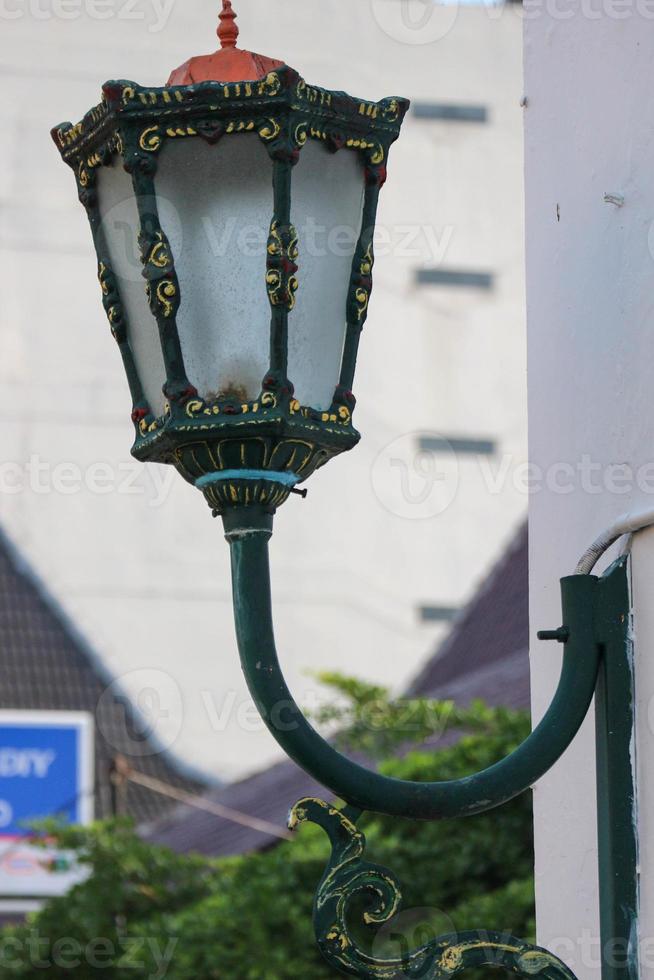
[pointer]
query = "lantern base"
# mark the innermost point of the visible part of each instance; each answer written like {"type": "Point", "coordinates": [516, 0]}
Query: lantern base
{"type": "Point", "coordinates": [252, 455]}
{"type": "Point", "coordinates": [231, 490]}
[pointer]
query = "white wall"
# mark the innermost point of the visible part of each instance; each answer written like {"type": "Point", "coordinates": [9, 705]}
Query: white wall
{"type": "Point", "coordinates": [149, 585]}
{"type": "Point", "coordinates": [590, 279]}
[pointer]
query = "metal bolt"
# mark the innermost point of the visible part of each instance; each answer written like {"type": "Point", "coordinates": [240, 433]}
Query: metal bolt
{"type": "Point", "coordinates": [562, 635]}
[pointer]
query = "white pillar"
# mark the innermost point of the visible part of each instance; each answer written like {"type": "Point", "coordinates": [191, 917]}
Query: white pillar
{"type": "Point", "coordinates": [590, 292]}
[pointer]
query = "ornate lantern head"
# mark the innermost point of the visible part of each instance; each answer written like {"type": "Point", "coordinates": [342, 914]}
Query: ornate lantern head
{"type": "Point", "coordinates": [233, 213]}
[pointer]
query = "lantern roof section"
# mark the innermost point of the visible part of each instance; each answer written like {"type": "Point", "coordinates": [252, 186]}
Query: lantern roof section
{"type": "Point", "coordinates": [229, 64]}
{"type": "Point", "coordinates": [230, 82]}
{"type": "Point", "coordinates": [210, 108]}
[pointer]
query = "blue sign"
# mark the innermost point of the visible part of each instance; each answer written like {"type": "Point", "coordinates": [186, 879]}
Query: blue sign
{"type": "Point", "coordinates": [45, 769]}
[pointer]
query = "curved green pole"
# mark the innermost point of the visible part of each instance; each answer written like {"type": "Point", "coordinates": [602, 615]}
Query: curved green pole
{"type": "Point", "coordinates": [369, 790]}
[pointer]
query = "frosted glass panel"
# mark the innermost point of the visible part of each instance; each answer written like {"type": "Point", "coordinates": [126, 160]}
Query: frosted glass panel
{"type": "Point", "coordinates": [327, 208]}
{"type": "Point", "coordinates": [224, 203]}
{"type": "Point", "coordinates": [121, 225]}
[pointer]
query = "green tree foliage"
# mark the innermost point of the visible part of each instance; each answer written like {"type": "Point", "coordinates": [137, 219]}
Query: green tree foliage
{"type": "Point", "coordinates": [146, 912]}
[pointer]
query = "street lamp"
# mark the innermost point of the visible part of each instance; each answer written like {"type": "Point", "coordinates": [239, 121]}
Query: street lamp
{"type": "Point", "coordinates": [233, 214]}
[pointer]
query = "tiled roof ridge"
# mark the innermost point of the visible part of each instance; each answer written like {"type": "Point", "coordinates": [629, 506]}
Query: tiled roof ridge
{"type": "Point", "coordinates": [88, 673]}
{"type": "Point", "coordinates": [487, 584]}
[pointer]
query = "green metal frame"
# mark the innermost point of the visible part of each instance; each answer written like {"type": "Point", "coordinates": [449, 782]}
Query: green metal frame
{"type": "Point", "coordinates": [275, 437]}
{"type": "Point", "coordinates": [596, 662]}
{"type": "Point", "coordinates": [348, 877]}
{"type": "Point", "coordinates": [616, 786]}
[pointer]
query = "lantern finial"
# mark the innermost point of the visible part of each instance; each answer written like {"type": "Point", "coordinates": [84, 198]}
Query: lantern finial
{"type": "Point", "coordinates": [229, 64]}
{"type": "Point", "coordinates": [228, 30]}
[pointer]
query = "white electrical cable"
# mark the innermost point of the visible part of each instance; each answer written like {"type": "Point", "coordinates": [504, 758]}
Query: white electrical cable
{"type": "Point", "coordinates": [627, 524]}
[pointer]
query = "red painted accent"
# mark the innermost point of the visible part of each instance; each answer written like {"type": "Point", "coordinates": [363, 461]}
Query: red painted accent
{"type": "Point", "coordinates": [376, 175]}
{"type": "Point", "coordinates": [227, 65]}
{"type": "Point", "coordinates": [112, 92]}
{"type": "Point", "coordinates": [181, 396]}
{"type": "Point", "coordinates": [138, 414]}
{"type": "Point", "coordinates": [190, 392]}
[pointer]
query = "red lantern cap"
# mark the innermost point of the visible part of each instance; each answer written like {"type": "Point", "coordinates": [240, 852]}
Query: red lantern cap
{"type": "Point", "coordinates": [227, 65]}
